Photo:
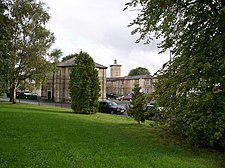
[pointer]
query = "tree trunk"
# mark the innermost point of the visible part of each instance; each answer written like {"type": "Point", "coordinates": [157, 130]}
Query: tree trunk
{"type": "Point", "coordinates": [10, 94]}
{"type": "Point", "coordinates": [13, 93]}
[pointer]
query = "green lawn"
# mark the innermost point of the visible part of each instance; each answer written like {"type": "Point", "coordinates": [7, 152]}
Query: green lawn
{"type": "Point", "coordinates": [44, 136]}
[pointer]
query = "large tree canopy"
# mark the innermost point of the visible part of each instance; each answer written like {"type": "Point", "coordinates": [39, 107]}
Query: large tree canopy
{"type": "Point", "coordinates": [30, 42]}
{"type": "Point", "coordinates": [139, 71]}
{"type": "Point", "coordinates": [177, 22]}
{"type": "Point", "coordinates": [192, 84]}
{"type": "Point", "coordinates": [4, 46]}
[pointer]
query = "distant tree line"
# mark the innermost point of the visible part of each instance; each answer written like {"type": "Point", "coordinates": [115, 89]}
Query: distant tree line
{"type": "Point", "coordinates": [139, 71]}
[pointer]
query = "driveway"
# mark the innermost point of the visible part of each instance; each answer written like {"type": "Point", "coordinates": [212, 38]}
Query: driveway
{"type": "Point", "coordinates": [50, 103]}
{"type": "Point", "coordinates": [40, 102]}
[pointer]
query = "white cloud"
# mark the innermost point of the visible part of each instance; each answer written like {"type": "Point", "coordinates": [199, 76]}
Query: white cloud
{"type": "Point", "coordinates": [99, 27]}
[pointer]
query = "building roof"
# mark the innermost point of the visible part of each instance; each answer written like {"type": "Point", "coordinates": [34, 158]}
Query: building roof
{"type": "Point", "coordinates": [115, 65]}
{"type": "Point", "coordinates": [137, 77]}
{"type": "Point", "coordinates": [70, 62]}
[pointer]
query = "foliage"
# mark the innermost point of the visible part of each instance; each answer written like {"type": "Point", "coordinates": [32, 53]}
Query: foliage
{"type": "Point", "coordinates": [68, 57]}
{"type": "Point", "coordinates": [191, 85]}
{"type": "Point", "coordinates": [30, 42]}
{"type": "Point", "coordinates": [84, 85]}
{"type": "Point", "coordinates": [139, 71]}
{"type": "Point", "coordinates": [135, 109]}
{"type": "Point", "coordinates": [55, 55]}
{"type": "Point", "coordinates": [4, 46]}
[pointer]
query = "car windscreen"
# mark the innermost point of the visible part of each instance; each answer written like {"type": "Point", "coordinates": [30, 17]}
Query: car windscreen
{"type": "Point", "coordinates": [112, 103]}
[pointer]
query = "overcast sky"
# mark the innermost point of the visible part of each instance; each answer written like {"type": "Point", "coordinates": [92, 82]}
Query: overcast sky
{"type": "Point", "coordinates": [100, 28]}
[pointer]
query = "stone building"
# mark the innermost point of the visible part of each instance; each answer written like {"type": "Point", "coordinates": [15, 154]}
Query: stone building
{"type": "Point", "coordinates": [124, 85]}
{"type": "Point", "coordinates": [57, 86]}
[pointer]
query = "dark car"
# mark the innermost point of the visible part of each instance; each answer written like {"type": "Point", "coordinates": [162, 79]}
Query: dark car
{"type": "Point", "coordinates": [127, 97]}
{"type": "Point", "coordinates": [110, 107]}
{"type": "Point", "coordinates": [111, 96]}
{"type": "Point", "coordinates": [149, 111]}
{"type": "Point", "coordinates": [26, 95]}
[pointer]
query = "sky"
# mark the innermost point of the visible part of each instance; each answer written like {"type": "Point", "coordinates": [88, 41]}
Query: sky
{"type": "Point", "coordinates": [100, 28]}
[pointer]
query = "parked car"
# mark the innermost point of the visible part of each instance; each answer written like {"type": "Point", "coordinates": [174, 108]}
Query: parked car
{"type": "Point", "coordinates": [127, 97]}
{"type": "Point", "coordinates": [26, 95]}
{"type": "Point", "coordinates": [110, 107]}
{"type": "Point", "coordinates": [111, 96]}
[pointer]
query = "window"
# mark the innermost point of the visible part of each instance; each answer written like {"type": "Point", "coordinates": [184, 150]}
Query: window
{"type": "Point", "coordinates": [147, 90]}
{"type": "Point", "coordinates": [69, 72]}
{"type": "Point", "coordinates": [147, 82]}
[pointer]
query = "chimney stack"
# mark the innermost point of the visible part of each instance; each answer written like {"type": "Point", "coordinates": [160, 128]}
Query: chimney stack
{"type": "Point", "coordinates": [115, 61]}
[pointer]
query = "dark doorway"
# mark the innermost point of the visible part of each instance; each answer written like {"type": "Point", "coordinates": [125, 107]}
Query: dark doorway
{"type": "Point", "coordinates": [49, 95]}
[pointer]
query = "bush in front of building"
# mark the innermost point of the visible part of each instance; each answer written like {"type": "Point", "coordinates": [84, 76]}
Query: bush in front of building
{"type": "Point", "coordinates": [135, 109]}
{"type": "Point", "coordinates": [84, 85]}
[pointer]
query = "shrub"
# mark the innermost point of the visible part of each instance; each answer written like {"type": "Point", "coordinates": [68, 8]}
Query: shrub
{"type": "Point", "coordinates": [136, 108]}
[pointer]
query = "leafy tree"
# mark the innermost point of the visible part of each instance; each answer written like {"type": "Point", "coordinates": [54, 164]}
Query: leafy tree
{"type": "Point", "coordinates": [139, 71]}
{"type": "Point", "coordinates": [135, 109]}
{"type": "Point", "coordinates": [84, 85]}
{"type": "Point", "coordinates": [191, 85]}
{"type": "Point", "coordinates": [68, 57]}
{"type": "Point", "coordinates": [4, 46]}
{"type": "Point", "coordinates": [55, 55]}
{"type": "Point", "coordinates": [30, 42]}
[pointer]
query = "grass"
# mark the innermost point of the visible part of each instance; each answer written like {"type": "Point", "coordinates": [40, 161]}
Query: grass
{"type": "Point", "coordinates": [44, 136]}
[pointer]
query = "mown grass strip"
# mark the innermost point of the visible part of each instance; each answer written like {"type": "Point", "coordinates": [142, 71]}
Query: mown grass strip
{"type": "Point", "coordinates": [44, 136]}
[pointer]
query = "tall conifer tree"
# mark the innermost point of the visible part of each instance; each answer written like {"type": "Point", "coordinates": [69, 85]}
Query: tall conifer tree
{"type": "Point", "coordinates": [84, 85]}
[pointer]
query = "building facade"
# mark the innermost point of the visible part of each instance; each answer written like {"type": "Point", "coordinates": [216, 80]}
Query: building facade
{"type": "Point", "coordinates": [57, 86]}
{"type": "Point", "coordinates": [124, 85]}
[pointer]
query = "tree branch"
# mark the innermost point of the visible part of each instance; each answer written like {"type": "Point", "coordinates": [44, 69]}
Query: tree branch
{"type": "Point", "coordinates": [223, 3]}
{"type": "Point", "coordinates": [213, 7]}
